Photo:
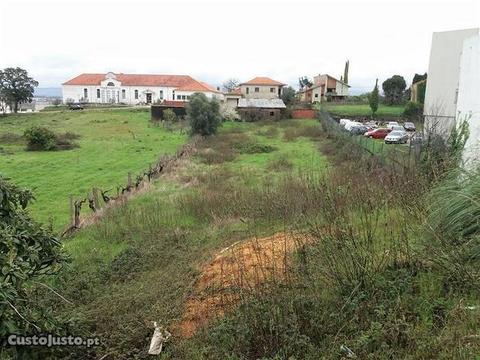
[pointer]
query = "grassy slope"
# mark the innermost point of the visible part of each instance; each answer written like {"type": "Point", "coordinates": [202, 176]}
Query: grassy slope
{"type": "Point", "coordinates": [112, 143]}
{"type": "Point", "coordinates": [364, 110]}
{"type": "Point", "coordinates": [146, 253]}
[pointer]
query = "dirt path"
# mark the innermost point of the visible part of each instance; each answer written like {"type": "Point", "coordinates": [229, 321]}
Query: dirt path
{"type": "Point", "coordinates": [242, 267]}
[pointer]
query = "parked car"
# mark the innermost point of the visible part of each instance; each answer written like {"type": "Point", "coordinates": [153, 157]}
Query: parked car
{"type": "Point", "coordinates": [391, 124]}
{"type": "Point", "coordinates": [409, 126]}
{"type": "Point", "coordinates": [397, 128]}
{"type": "Point", "coordinates": [358, 130]}
{"type": "Point", "coordinates": [75, 107]}
{"type": "Point", "coordinates": [351, 124]}
{"type": "Point", "coordinates": [396, 137]}
{"type": "Point", "coordinates": [343, 122]}
{"type": "Point", "coordinates": [379, 133]}
{"type": "Point", "coordinates": [371, 125]}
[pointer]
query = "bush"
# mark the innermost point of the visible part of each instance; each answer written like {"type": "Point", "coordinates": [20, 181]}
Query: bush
{"type": "Point", "coordinates": [228, 113]}
{"type": "Point", "coordinates": [413, 109]}
{"type": "Point", "coordinates": [169, 116]}
{"type": "Point", "coordinates": [40, 138]}
{"type": "Point", "coordinates": [203, 115]}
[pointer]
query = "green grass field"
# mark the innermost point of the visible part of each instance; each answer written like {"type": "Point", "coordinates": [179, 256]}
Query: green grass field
{"type": "Point", "coordinates": [112, 143]}
{"type": "Point", "coordinates": [363, 110]}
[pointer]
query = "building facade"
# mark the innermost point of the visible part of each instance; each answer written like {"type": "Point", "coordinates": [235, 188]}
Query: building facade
{"type": "Point", "coordinates": [133, 89]}
{"type": "Point", "coordinates": [453, 85]}
{"type": "Point", "coordinates": [324, 88]}
{"type": "Point", "coordinates": [261, 88]}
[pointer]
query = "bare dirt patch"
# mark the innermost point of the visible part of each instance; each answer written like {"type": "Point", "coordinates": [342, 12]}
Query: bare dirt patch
{"type": "Point", "coordinates": [240, 268]}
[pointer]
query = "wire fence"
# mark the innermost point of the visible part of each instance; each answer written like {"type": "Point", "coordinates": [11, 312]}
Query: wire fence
{"type": "Point", "coordinates": [399, 156]}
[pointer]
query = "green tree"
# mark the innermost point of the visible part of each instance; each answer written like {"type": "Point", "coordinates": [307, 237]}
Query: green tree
{"type": "Point", "coordinates": [393, 89]}
{"type": "Point", "coordinates": [203, 115]}
{"type": "Point", "coordinates": [16, 86]}
{"type": "Point", "coordinates": [373, 99]}
{"type": "Point", "coordinates": [288, 95]}
{"type": "Point", "coordinates": [28, 253]}
{"type": "Point", "coordinates": [345, 72]}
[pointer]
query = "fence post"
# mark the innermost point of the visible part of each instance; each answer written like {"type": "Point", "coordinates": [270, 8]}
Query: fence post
{"type": "Point", "coordinates": [96, 200]}
{"type": "Point", "coordinates": [72, 211]}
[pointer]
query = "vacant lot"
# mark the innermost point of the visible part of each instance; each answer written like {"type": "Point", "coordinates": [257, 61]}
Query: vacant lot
{"type": "Point", "coordinates": [363, 110]}
{"type": "Point", "coordinates": [138, 263]}
{"type": "Point", "coordinates": [111, 144]}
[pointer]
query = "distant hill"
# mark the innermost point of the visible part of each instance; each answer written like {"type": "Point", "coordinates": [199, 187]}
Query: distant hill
{"type": "Point", "coordinates": [48, 92]}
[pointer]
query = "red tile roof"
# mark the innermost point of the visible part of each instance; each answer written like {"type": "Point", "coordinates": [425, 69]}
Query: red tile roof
{"type": "Point", "coordinates": [133, 80]}
{"type": "Point", "coordinates": [197, 86]}
{"type": "Point", "coordinates": [262, 80]}
{"type": "Point", "coordinates": [236, 91]}
{"type": "Point", "coordinates": [173, 103]}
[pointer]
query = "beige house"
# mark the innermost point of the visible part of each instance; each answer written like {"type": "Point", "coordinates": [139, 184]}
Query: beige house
{"type": "Point", "coordinates": [325, 88]}
{"type": "Point", "coordinates": [261, 88]}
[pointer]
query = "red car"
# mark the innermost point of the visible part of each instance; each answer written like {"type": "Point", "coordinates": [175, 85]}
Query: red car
{"type": "Point", "coordinates": [379, 133]}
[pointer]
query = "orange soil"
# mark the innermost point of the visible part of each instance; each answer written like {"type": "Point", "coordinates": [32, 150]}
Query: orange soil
{"type": "Point", "coordinates": [243, 266]}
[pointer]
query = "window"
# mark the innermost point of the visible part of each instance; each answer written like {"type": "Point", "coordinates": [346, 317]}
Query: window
{"type": "Point", "coordinates": [316, 95]}
{"type": "Point", "coordinates": [124, 94]}
{"type": "Point", "coordinates": [183, 97]}
{"type": "Point", "coordinates": [272, 90]}
{"type": "Point", "coordinates": [110, 84]}
{"type": "Point", "coordinates": [272, 113]}
{"type": "Point", "coordinates": [188, 97]}
{"type": "Point", "coordinates": [136, 94]}
{"type": "Point", "coordinates": [248, 90]}
{"type": "Point", "coordinates": [257, 89]}
{"type": "Point", "coordinates": [161, 94]}
{"type": "Point", "coordinates": [98, 93]}
{"type": "Point", "coordinates": [85, 93]}
{"type": "Point", "coordinates": [179, 97]}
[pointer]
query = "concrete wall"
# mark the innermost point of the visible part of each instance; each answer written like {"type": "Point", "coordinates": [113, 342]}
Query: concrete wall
{"type": "Point", "coordinates": [263, 93]}
{"type": "Point", "coordinates": [468, 104]}
{"type": "Point", "coordinates": [443, 79]}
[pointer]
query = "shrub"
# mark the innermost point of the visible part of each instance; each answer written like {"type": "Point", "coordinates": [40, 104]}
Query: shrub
{"type": "Point", "coordinates": [40, 138]}
{"type": "Point", "coordinates": [29, 252]}
{"type": "Point", "coordinates": [228, 113]}
{"type": "Point", "coordinates": [203, 115]}
{"type": "Point", "coordinates": [413, 109]}
{"type": "Point", "coordinates": [169, 116]}
{"type": "Point", "coordinates": [254, 148]}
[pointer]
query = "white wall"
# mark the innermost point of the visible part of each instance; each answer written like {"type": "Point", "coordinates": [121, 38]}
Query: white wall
{"type": "Point", "coordinates": [209, 95]}
{"type": "Point", "coordinates": [341, 89]}
{"type": "Point", "coordinates": [76, 92]}
{"type": "Point", "coordinates": [443, 79]}
{"type": "Point", "coordinates": [468, 105]}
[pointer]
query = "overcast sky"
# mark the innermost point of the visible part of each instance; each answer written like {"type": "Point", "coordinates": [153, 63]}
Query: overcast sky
{"type": "Point", "coordinates": [216, 40]}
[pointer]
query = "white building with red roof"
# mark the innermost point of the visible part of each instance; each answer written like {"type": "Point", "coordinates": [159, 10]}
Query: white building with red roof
{"type": "Point", "coordinates": [133, 89]}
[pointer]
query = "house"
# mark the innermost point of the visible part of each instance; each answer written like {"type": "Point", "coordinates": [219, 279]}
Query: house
{"type": "Point", "coordinates": [233, 97]}
{"type": "Point", "coordinates": [453, 85]}
{"type": "Point", "coordinates": [260, 109]}
{"type": "Point", "coordinates": [133, 89]}
{"type": "Point", "coordinates": [324, 88]}
{"type": "Point", "coordinates": [261, 88]}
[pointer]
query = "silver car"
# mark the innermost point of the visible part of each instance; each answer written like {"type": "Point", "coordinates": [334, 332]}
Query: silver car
{"type": "Point", "coordinates": [396, 137]}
